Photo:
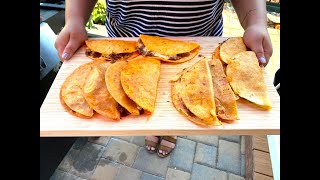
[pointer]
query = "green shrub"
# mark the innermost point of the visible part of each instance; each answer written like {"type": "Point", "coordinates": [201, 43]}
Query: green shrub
{"type": "Point", "coordinates": [98, 15]}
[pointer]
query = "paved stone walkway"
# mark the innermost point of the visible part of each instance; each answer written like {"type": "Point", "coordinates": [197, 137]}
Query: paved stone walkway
{"type": "Point", "coordinates": [125, 158]}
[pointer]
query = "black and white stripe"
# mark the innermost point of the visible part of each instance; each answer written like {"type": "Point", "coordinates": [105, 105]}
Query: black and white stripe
{"type": "Point", "coordinates": [129, 18]}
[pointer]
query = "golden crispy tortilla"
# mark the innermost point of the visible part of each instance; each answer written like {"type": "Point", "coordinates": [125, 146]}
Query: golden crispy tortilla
{"type": "Point", "coordinates": [97, 94]}
{"type": "Point", "coordinates": [191, 55]}
{"type": "Point", "coordinates": [231, 47]}
{"type": "Point", "coordinates": [225, 100]}
{"type": "Point", "coordinates": [72, 96]}
{"type": "Point", "coordinates": [247, 79]}
{"type": "Point", "coordinates": [113, 82]}
{"type": "Point", "coordinates": [176, 51]}
{"type": "Point", "coordinates": [139, 80]}
{"type": "Point", "coordinates": [216, 53]}
{"type": "Point", "coordinates": [69, 110]}
{"type": "Point", "coordinates": [104, 49]}
{"type": "Point", "coordinates": [197, 92]}
{"type": "Point", "coordinates": [178, 103]}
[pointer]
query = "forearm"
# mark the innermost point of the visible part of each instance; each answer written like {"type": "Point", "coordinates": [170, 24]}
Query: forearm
{"type": "Point", "coordinates": [79, 11]}
{"type": "Point", "coordinates": [251, 12]}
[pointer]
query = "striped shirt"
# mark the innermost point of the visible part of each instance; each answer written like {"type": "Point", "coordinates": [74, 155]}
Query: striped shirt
{"type": "Point", "coordinates": [130, 18]}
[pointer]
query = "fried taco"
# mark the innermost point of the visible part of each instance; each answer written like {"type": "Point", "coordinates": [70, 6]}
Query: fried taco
{"type": "Point", "coordinates": [71, 94]}
{"type": "Point", "coordinates": [216, 53]}
{"type": "Point", "coordinates": [111, 50]}
{"type": "Point", "coordinates": [113, 82]}
{"type": "Point", "coordinates": [97, 94]}
{"type": "Point", "coordinates": [179, 105]}
{"type": "Point", "coordinates": [139, 80]}
{"type": "Point", "coordinates": [247, 79]}
{"type": "Point", "coordinates": [193, 94]}
{"type": "Point", "coordinates": [225, 99]}
{"type": "Point", "coordinates": [231, 47]}
{"type": "Point", "coordinates": [168, 50]}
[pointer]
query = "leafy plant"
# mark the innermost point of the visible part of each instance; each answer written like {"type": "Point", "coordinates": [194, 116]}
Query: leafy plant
{"type": "Point", "coordinates": [98, 15]}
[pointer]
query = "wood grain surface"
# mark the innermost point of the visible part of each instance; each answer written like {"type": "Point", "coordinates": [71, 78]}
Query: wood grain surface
{"type": "Point", "coordinates": [166, 120]}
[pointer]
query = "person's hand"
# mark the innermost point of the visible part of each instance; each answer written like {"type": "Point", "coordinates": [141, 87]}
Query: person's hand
{"type": "Point", "coordinates": [70, 39]}
{"type": "Point", "coordinates": [256, 38]}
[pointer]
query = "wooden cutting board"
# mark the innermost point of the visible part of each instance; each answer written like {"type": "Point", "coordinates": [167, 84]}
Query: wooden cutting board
{"type": "Point", "coordinates": [166, 120]}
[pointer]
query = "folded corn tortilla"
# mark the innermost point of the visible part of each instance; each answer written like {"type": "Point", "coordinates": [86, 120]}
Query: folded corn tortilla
{"type": "Point", "coordinates": [111, 50]}
{"type": "Point", "coordinates": [168, 50]}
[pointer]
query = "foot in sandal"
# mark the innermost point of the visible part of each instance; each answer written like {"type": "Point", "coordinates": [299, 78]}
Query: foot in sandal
{"type": "Point", "coordinates": [167, 144]}
{"type": "Point", "coordinates": [152, 143]}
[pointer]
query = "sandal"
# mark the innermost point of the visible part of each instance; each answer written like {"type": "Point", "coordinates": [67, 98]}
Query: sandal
{"type": "Point", "coordinates": [167, 144]}
{"type": "Point", "coordinates": [152, 142]}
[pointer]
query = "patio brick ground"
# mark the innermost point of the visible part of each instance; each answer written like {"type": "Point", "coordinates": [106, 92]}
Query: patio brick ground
{"type": "Point", "coordinates": [229, 157]}
{"type": "Point", "coordinates": [121, 151]}
{"type": "Point", "coordinates": [183, 156]}
{"type": "Point", "coordinates": [151, 163]}
{"type": "Point", "coordinates": [119, 158]}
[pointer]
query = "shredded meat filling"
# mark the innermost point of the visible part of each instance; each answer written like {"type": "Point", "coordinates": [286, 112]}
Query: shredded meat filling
{"type": "Point", "coordinates": [123, 111]}
{"type": "Point", "coordinates": [179, 56]}
{"type": "Point", "coordinates": [112, 56]}
{"type": "Point", "coordinates": [92, 53]}
{"type": "Point", "coordinates": [119, 56]}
